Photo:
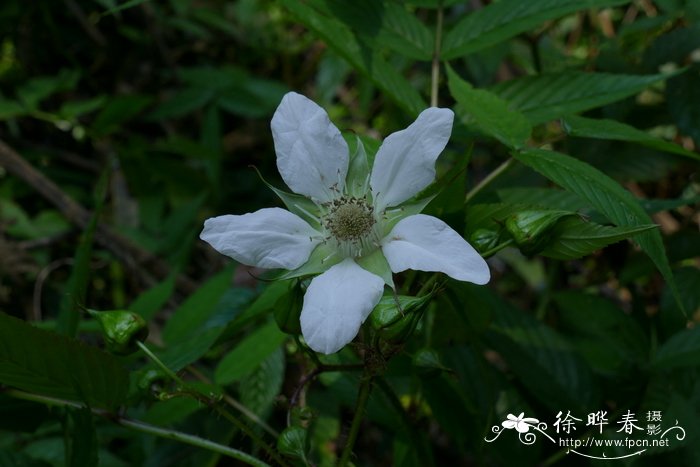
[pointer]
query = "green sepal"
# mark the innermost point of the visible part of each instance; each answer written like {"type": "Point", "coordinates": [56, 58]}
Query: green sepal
{"type": "Point", "coordinates": [321, 259]}
{"type": "Point", "coordinates": [484, 239]}
{"type": "Point", "coordinates": [287, 309]}
{"type": "Point", "coordinates": [357, 179]}
{"type": "Point", "coordinates": [376, 263]}
{"type": "Point", "coordinates": [122, 329]}
{"type": "Point", "coordinates": [530, 229]}
{"type": "Point", "coordinates": [395, 324]}
{"type": "Point", "coordinates": [297, 204]}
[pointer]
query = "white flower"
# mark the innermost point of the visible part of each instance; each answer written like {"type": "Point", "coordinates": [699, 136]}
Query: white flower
{"type": "Point", "coordinates": [356, 227]}
{"type": "Point", "coordinates": [520, 423]}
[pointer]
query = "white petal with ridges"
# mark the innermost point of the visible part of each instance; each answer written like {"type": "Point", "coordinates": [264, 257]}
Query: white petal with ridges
{"type": "Point", "coordinates": [426, 243]}
{"type": "Point", "coordinates": [336, 304]}
{"type": "Point", "coordinates": [405, 162]}
{"type": "Point", "coordinates": [268, 238]}
{"type": "Point", "coordinates": [312, 155]}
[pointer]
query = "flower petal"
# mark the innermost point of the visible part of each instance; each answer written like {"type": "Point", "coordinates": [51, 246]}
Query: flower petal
{"type": "Point", "coordinates": [312, 155]}
{"type": "Point", "coordinates": [426, 243]}
{"type": "Point", "coordinates": [268, 238]}
{"type": "Point", "coordinates": [336, 303]}
{"type": "Point", "coordinates": [405, 162]}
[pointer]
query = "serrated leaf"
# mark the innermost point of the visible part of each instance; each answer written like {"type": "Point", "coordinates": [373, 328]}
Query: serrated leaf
{"type": "Point", "coordinates": [548, 96]}
{"type": "Point", "coordinates": [292, 442]}
{"type": "Point", "coordinates": [385, 23]}
{"type": "Point", "coordinates": [575, 237]}
{"type": "Point", "coordinates": [604, 194]}
{"type": "Point", "coordinates": [365, 59]}
{"type": "Point", "coordinates": [260, 388]}
{"type": "Point", "coordinates": [249, 354]}
{"type": "Point", "coordinates": [490, 113]}
{"type": "Point", "coordinates": [81, 438]}
{"type": "Point", "coordinates": [507, 18]}
{"type": "Point", "coordinates": [618, 131]}
{"type": "Point", "coordinates": [53, 365]}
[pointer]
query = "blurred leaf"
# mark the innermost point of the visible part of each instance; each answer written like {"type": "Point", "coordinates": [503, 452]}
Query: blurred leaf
{"type": "Point", "coordinates": [117, 111]}
{"type": "Point", "coordinates": [53, 365]}
{"type": "Point", "coordinates": [611, 129]}
{"type": "Point", "coordinates": [17, 415]}
{"type": "Point", "coordinates": [683, 94]}
{"type": "Point", "coordinates": [10, 109]}
{"type": "Point", "coordinates": [242, 360]}
{"type": "Point", "coordinates": [18, 459]}
{"type": "Point", "coordinates": [574, 237]}
{"type": "Point", "coordinates": [125, 5]}
{"type": "Point", "coordinates": [81, 439]}
{"type": "Point", "coordinates": [548, 96]}
{"type": "Point", "coordinates": [46, 224]}
{"type": "Point", "coordinates": [681, 350]}
{"type": "Point", "coordinates": [508, 18]}
{"type": "Point", "coordinates": [613, 201]}
{"type": "Point", "coordinates": [36, 90]}
{"type": "Point", "coordinates": [75, 109]}
{"type": "Point", "coordinates": [181, 103]}
{"type": "Point", "coordinates": [365, 59]}
{"type": "Point", "coordinates": [490, 113]}
{"type": "Point", "coordinates": [152, 300]}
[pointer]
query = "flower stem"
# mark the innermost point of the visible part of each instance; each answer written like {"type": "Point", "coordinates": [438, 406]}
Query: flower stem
{"type": "Point", "coordinates": [490, 178]}
{"type": "Point", "coordinates": [144, 427]}
{"type": "Point", "coordinates": [160, 364]}
{"type": "Point", "coordinates": [435, 78]}
{"type": "Point", "coordinates": [362, 398]}
{"type": "Point", "coordinates": [496, 249]}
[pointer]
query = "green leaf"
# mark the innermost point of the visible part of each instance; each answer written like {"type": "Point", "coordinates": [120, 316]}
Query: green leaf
{"type": "Point", "coordinates": [683, 94]}
{"type": "Point", "coordinates": [8, 458]}
{"type": "Point", "coordinates": [573, 238]}
{"type": "Point", "coordinates": [124, 6]}
{"type": "Point", "coordinates": [10, 109]}
{"type": "Point", "coordinates": [75, 109]}
{"type": "Point", "coordinates": [490, 113]}
{"type": "Point", "coordinates": [37, 89]}
{"type": "Point", "coordinates": [548, 96]}
{"type": "Point", "coordinates": [53, 365]}
{"type": "Point", "coordinates": [249, 354]}
{"type": "Point", "coordinates": [507, 18]}
{"type": "Point", "coordinates": [152, 300]}
{"type": "Point", "coordinates": [681, 350]}
{"type": "Point", "coordinates": [618, 131]}
{"type": "Point", "coordinates": [117, 112]}
{"type": "Point", "coordinates": [181, 103]}
{"type": "Point", "coordinates": [292, 442]}
{"type": "Point", "coordinates": [365, 59]}
{"type": "Point", "coordinates": [385, 23]}
{"type": "Point", "coordinates": [81, 439]}
{"type": "Point", "coordinates": [604, 194]}
{"type": "Point", "coordinates": [260, 388]}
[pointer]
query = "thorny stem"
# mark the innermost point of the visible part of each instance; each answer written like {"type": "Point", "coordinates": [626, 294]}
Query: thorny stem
{"type": "Point", "coordinates": [491, 177]}
{"type": "Point", "coordinates": [362, 398]}
{"type": "Point", "coordinates": [143, 427]}
{"type": "Point", "coordinates": [236, 405]}
{"type": "Point", "coordinates": [215, 405]}
{"type": "Point", "coordinates": [435, 78]}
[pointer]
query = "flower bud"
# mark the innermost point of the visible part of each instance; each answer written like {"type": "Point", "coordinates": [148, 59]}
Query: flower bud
{"type": "Point", "coordinates": [122, 329]}
{"type": "Point", "coordinates": [530, 229]}
{"type": "Point", "coordinates": [395, 324]}
{"type": "Point", "coordinates": [287, 309]}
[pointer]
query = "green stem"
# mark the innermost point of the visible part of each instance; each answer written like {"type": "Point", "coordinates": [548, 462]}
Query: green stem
{"type": "Point", "coordinates": [144, 427]}
{"type": "Point", "coordinates": [496, 249]}
{"type": "Point", "coordinates": [435, 78]}
{"type": "Point", "coordinates": [160, 364]}
{"type": "Point", "coordinates": [428, 285]}
{"type": "Point", "coordinates": [362, 398]}
{"type": "Point", "coordinates": [490, 178]}
{"type": "Point", "coordinates": [217, 407]}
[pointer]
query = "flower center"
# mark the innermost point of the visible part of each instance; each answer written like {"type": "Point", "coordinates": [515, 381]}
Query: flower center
{"type": "Point", "coordinates": [350, 219]}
